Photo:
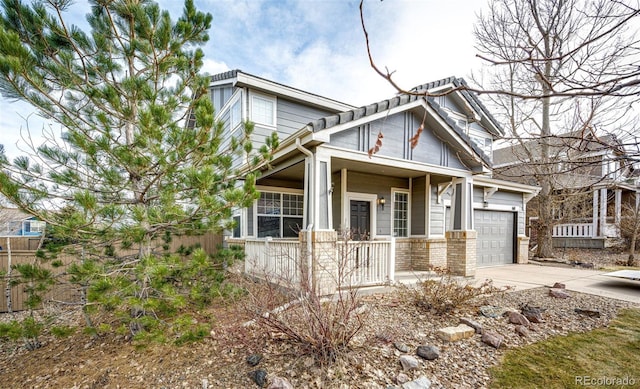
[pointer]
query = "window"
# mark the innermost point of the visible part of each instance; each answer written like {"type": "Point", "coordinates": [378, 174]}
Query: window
{"type": "Point", "coordinates": [483, 143]}
{"type": "Point", "coordinates": [237, 228]}
{"type": "Point", "coordinates": [279, 214]}
{"type": "Point", "coordinates": [263, 110]}
{"type": "Point", "coordinates": [401, 214]}
{"type": "Point", "coordinates": [236, 114]}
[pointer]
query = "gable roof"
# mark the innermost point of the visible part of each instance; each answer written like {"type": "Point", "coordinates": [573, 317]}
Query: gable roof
{"type": "Point", "coordinates": [404, 99]}
{"type": "Point", "coordinates": [491, 124]}
{"type": "Point", "coordinates": [239, 78]}
{"type": "Point", "coordinates": [570, 144]}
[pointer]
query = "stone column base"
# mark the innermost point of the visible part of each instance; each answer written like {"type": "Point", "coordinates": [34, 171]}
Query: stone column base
{"type": "Point", "coordinates": [522, 255]}
{"type": "Point", "coordinates": [324, 262]}
{"type": "Point", "coordinates": [461, 252]}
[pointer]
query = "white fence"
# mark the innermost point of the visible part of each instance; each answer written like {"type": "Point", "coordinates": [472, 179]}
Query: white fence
{"type": "Point", "coordinates": [367, 262]}
{"type": "Point", "coordinates": [276, 260]}
{"type": "Point", "coordinates": [581, 230]}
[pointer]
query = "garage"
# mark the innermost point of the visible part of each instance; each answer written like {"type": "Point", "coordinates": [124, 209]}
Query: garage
{"type": "Point", "coordinates": [494, 245]}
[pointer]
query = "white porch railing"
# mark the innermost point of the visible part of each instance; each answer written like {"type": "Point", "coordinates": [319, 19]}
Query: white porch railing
{"type": "Point", "coordinates": [276, 260]}
{"type": "Point", "coordinates": [359, 263]}
{"type": "Point", "coordinates": [579, 230]}
{"type": "Point", "coordinates": [366, 262]}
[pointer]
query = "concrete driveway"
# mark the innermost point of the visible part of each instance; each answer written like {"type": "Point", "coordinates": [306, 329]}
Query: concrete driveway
{"type": "Point", "coordinates": [576, 279]}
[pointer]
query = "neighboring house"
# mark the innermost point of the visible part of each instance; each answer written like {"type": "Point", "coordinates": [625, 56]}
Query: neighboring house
{"type": "Point", "coordinates": [432, 205]}
{"type": "Point", "coordinates": [23, 229]}
{"type": "Point", "coordinates": [14, 222]}
{"type": "Point", "coordinates": [592, 180]}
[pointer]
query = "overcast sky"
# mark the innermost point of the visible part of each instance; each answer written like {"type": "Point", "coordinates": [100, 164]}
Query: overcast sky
{"type": "Point", "coordinates": [317, 46]}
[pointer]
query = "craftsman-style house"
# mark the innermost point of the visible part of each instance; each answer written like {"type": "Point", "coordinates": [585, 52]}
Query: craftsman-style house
{"type": "Point", "coordinates": [592, 179]}
{"type": "Point", "coordinates": [410, 176]}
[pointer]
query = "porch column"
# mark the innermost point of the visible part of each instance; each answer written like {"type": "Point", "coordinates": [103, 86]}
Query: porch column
{"type": "Point", "coordinates": [461, 239]}
{"type": "Point", "coordinates": [595, 214]}
{"type": "Point", "coordinates": [318, 251]}
{"type": "Point", "coordinates": [603, 211]}
{"type": "Point", "coordinates": [618, 206]}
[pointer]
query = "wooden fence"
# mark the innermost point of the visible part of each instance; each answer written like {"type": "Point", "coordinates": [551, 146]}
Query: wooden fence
{"type": "Point", "coordinates": [63, 291]}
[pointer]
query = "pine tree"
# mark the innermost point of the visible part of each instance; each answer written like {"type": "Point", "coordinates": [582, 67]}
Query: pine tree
{"type": "Point", "coordinates": [140, 156]}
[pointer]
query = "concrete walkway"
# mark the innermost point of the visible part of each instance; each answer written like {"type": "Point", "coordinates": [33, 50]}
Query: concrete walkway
{"type": "Point", "coordinates": [576, 279]}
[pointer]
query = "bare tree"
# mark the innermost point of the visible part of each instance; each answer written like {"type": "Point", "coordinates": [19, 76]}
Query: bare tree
{"type": "Point", "coordinates": [555, 67]}
{"type": "Point", "coordinates": [630, 229]}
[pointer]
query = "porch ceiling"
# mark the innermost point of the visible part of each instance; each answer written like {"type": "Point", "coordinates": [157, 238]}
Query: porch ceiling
{"type": "Point", "coordinates": [295, 172]}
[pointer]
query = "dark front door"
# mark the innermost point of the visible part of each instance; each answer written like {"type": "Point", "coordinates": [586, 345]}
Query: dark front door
{"type": "Point", "coordinates": [360, 219]}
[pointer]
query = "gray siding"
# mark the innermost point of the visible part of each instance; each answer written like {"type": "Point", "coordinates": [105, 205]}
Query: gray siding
{"type": "Point", "coordinates": [502, 198]}
{"type": "Point", "coordinates": [381, 186]}
{"type": "Point", "coordinates": [436, 220]}
{"type": "Point", "coordinates": [250, 231]}
{"type": "Point", "coordinates": [220, 95]}
{"type": "Point", "coordinates": [418, 206]}
{"type": "Point", "coordinates": [293, 116]}
{"type": "Point", "coordinates": [397, 130]}
{"type": "Point", "coordinates": [323, 197]}
{"type": "Point", "coordinates": [335, 201]}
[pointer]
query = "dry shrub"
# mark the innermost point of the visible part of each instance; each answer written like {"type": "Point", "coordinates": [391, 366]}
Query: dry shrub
{"type": "Point", "coordinates": [322, 326]}
{"type": "Point", "coordinates": [443, 292]}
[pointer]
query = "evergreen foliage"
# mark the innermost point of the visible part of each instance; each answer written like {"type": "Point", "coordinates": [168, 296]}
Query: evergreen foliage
{"type": "Point", "coordinates": [141, 157]}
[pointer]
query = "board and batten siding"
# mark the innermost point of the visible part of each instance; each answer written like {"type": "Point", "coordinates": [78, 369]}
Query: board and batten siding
{"type": "Point", "coordinates": [418, 206]}
{"type": "Point", "coordinates": [504, 199]}
{"type": "Point", "coordinates": [380, 186]}
{"type": "Point", "coordinates": [437, 214]}
{"type": "Point", "coordinates": [397, 130]}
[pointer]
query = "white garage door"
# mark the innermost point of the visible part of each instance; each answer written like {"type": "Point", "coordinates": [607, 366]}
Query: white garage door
{"type": "Point", "coordinates": [495, 237]}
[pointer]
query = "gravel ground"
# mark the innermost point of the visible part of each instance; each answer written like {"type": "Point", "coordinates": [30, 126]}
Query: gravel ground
{"type": "Point", "coordinates": [372, 361]}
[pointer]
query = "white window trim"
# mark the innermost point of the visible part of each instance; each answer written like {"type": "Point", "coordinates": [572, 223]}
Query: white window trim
{"type": "Point", "coordinates": [372, 199]}
{"type": "Point", "coordinates": [393, 205]}
{"type": "Point", "coordinates": [280, 191]}
{"type": "Point", "coordinates": [271, 99]}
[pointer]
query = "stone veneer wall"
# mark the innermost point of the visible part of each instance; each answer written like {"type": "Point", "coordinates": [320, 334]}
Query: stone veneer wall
{"type": "Point", "coordinates": [437, 253]}
{"type": "Point", "coordinates": [325, 263]}
{"type": "Point", "coordinates": [404, 254]}
{"type": "Point", "coordinates": [420, 254]}
{"type": "Point", "coordinates": [522, 254]}
{"type": "Point", "coordinates": [461, 252]}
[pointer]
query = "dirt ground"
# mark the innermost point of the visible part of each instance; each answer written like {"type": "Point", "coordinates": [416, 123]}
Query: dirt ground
{"type": "Point", "coordinates": [219, 361]}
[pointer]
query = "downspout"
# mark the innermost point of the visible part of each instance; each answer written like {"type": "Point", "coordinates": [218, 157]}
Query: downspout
{"type": "Point", "coordinates": [311, 208]}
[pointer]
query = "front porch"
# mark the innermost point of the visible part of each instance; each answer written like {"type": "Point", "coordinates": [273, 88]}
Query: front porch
{"type": "Point", "coordinates": [329, 261]}
{"type": "Point", "coordinates": [601, 228]}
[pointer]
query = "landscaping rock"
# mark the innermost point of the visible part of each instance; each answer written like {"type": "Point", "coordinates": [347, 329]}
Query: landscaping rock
{"type": "Point", "coordinates": [402, 378]}
{"type": "Point", "coordinates": [409, 362]}
{"type": "Point", "coordinates": [559, 293]}
{"type": "Point", "coordinates": [492, 339]}
{"type": "Point", "coordinates": [588, 312]}
{"type": "Point", "coordinates": [559, 285]}
{"type": "Point", "coordinates": [491, 311]}
{"type": "Point", "coordinates": [518, 318]}
{"type": "Point", "coordinates": [421, 383]}
{"type": "Point", "coordinates": [477, 327]}
{"type": "Point", "coordinates": [280, 383]}
{"type": "Point", "coordinates": [403, 348]}
{"type": "Point", "coordinates": [259, 377]}
{"type": "Point", "coordinates": [533, 314]}
{"type": "Point", "coordinates": [452, 334]}
{"type": "Point", "coordinates": [428, 352]}
{"type": "Point", "coordinates": [522, 331]}
{"type": "Point", "coordinates": [254, 359]}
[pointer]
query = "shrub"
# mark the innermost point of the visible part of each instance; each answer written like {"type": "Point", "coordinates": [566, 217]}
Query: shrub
{"type": "Point", "coordinates": [444, 292]}
{"type": "Point", "coordinates": [322, 326]}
